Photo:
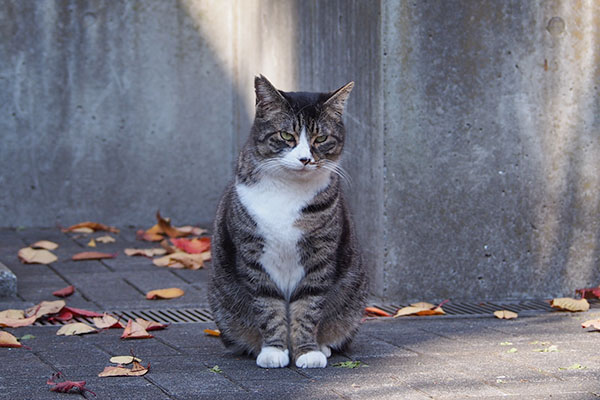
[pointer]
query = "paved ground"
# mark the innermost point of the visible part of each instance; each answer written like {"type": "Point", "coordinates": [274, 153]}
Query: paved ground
{"type": "Point", "coordinates": [411, 358]}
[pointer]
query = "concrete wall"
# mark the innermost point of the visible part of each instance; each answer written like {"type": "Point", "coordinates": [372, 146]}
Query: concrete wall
{"type": "Point", "coordinates": [473, 128]}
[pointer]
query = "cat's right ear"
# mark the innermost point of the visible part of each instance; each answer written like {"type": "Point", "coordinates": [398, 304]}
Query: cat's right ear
{"type": "Point", "coordinates": [268, 99]}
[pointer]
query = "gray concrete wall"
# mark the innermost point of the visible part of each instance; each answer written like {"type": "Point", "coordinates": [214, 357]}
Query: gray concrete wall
{"type": "Point", "coordinates": [473, 127]}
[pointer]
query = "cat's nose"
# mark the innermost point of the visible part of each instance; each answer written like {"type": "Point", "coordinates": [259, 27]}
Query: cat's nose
{"type": "Point", "coordinates": [304, 160]}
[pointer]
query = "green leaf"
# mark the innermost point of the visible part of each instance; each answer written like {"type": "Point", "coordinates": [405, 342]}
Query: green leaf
{"type": "Point", "coordinates": [216, 369]}
{"type": "Point", "coordinates": [550, 349]}
{"type": "Point", "coordinates": [512, 350]}
{"type": "Point", "coordinates": [572, 367]}
{"type": "Point", "coordinates": [506, 344]}
{"type": "Point", "coordinates": [349, 364]}
{"type": "Point", "coordinates": [26, 337]}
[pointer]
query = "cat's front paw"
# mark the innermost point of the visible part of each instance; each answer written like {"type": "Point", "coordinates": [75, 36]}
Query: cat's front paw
{"type": "Point", "coordinates": [272, 357]}
{"type": "Point", "coordinates": [312, 359]}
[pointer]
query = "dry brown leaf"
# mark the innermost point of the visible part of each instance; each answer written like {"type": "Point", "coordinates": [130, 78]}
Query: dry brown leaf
{"type": "Point", "coordinates": [594, 323]}
{"type": "Point", "coordinates": [28, 255]}
{"type": "Point", "coordinates": [15, 319]}
{"type": "Point", "coordinates": [8, 340]}
{"type": "Point", "coordinates": [182, 260]}
{"type": "Point", "coordinates": [133, 330]}
{"type": "Point", "coordinates": [505, 314]}
{"type": "Point", "coordinates": [44, 244]}
{"type": "Point", "coordinates": [92, 243]}
{"type": "Point", "coordinates": [92, 255]}
{"type": "Point", "coordinates": [45, 308]}
{"type": "Point", "coordinates": [149, 237]}
{"type": "Point", "coordinates": [124, 360]}
{"type": "Point", "coordinates": [136, 370]}
{"type": "Point", "coordinates": [106, 239]}
{"type": "Point", "coordinates": [569, 304]}
{"type": "Point", "coordinates": [213, 332]}
{"type": "Point", "coordinates": [150, 325]}
{"type": "Point", "coordinates": [14, 314]}
{"type": "Point", "coordinates": [107, 321]}
{"type": "Point", "coordinates": [192, 230]}
{"type": "Point", "coordinates": [76, 328]}
{"type": "Point", "coordinates": [82, 230]}
{"type": "Point", "coordinates": [421, 309]}
{"type": "Point", "coordinates": [166, 228]}
{"type": "Point", "coordinates": [145, 252]}
{"type": "Point", "coordinates": [170, 293]}
{"type": "Point", "coordinates": [94, 226]}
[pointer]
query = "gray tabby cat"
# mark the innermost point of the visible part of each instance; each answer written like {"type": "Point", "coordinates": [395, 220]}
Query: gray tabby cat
{"type": "Point", "coordinates": [287, 273]}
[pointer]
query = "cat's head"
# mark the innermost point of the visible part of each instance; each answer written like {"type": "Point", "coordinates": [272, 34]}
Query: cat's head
{"type": "Point", "coordinates": [298, 133]}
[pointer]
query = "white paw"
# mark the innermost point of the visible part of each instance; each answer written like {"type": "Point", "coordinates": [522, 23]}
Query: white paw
{"type": "Point", "coordinates": [312, 359]}
{"type": "Point", "coordinates": [326, 350]}
{"type": "Point", "coordinates": [272, 357]}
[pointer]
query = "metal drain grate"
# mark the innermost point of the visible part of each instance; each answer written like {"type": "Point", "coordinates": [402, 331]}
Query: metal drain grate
{"type": "Point", "coordinates": [456, 309]}
{"type": "Point", "coordinates": [164, 316]}
{"type": "Point", "coordinates": [486, 309]}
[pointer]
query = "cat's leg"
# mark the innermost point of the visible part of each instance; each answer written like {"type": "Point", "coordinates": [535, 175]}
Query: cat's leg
{"type": "Point", "coordinates": [304, 318]}
{"type": "Point", "coordinates": [271, 316]}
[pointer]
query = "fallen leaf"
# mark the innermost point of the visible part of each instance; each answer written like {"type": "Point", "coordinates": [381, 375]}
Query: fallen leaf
{"type": "Point", "coordinates": [12, 314]}
{"type": "Point", "coordinates": [124, 360]}
{"type": "Point", "coordinates": [11, 322]}
{"type": "Point", "coordinates": [106, 239]}
{"type": "Point", "coordinates": [182, 260]}
{"type": "Point", "coordinates": [569, 304]}
{"type": "Point", "coordinates": [45, 308]}
{"type": "Point", "coordinates": [26, 337]}
{"type": "Point", "coordinates": [192, 246]}
{"type": "Point", "coordinates": [420, 309]}
{"type": "Point", "coordinates": [67, 386]}
{"type": "Point", "coordinates": [8, 340]}
{"type": "Point", "coordinates": [512, 350]}
{"type": "Point", "coordinates": [64, 292]}
{"type": "Point", "coordinates": [76, 328]}
{"type": "Point", "coordinates": [107, 321]}
{"type": "Point", "coordinates": [45, 244]}
{"type": "Point", "coordinates": [589, 293]}
{"type": "Point", "coordinates": [83, 313]}
{"type": "Point", "coordinates": [136, 370]}
{"type": "Point", "coordinates": [170, 293]}
{"type": "Point", "coordinates": [149, 237]}
{"type": "Point", "coordinates": [216, 369]}
{"type": "Point", "coordinates": [192, 230]}
{"type": "Point", "coordinates": [63, 315]}
{"type": "Point", "coordinates": [377, 312]}
{"type": "Point", "coordinates": [349, 364]}
{"type": "Point", "coordinates": [94, 226]}
{"type": "Point", "coordinates": [212, 332]}
{"type": "Point", "coordinates": [150, 325]}
{"type": "Point", "coordinates": [145, 252]}
{"type": "Point", "coordinates": [92, 243]}
{"type": "Point", "coordinates": [28, 255]}
{"type": "Point", "coordinates": [505, 314]}
{"type": "Point", "coordinates": [573, 367]}
{"type": "Point", "coordinates": [166, 228]}
{"type": "Point", "coordinates": [594, 323]}
{"type": "Point", "coordinates": [505, 343]}
{"type": "Point", "coordinates": [82, 230]}
{"type": "Point", "coordinates": [550, 349]}
{"type": "Point", "coordinates": [133, 330]}
{"type": "Point", "coordinates": [92, 255]}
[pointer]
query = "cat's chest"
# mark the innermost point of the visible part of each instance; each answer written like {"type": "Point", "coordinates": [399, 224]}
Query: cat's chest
{"type": "Point", "coordinates": [275, 207]}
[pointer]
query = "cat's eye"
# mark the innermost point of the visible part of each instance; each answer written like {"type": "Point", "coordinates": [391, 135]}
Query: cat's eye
{"type": "Point", "coordinates": [320, 139]}
{"type": "Point", "coordinates": [286, 136]}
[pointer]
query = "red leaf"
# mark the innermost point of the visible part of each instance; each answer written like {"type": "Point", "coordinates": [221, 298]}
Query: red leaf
{"type": "Point", "coordinates": [192, 246]}
{"type": "Point", "coordinates": [589, 293]}
{"type": "Point", "coordinates": [82, 312]}
{"type": "Point", "coordinates": [65, 292]}
{"type": "Point", "coordinates": [63, 315]}
{"type": "Point", "coordinates": [376, 311]}
{"type": "Point", "coordinates": [67, 386]}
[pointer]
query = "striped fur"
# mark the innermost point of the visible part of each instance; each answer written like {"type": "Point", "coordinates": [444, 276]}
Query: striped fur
{"type": "Point", "coordinates": [287, 272]}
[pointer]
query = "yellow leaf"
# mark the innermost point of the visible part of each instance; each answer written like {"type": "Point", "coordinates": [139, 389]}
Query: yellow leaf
{"type": "Point", "coordinates": [594, 323]}
{"type": "Point", "coordinates": [569, 304]}
{"type": "Point", "coordinates": [212, 332]}
{"type": "Point", "coordinates": [8, 340]}
{"type": "Point", "coordinates": [83, 229]}
{"type": "Point", "coordinates": [124, 360]}
{"type": "Point", "coordinates": [105, 239]}
{"type": "Point", "coordinates": [505, 314]}
{"type": "Point", "coordinates": [77, 328]}
{"type": "Point", "coordinates": [169, 293]}
{"type": "Point", "coordinates": [14, 314]}
{"type": "Point", "coordinates": [31, 256]}
{"type": "Point", "coordinates": [45, 244]}
{"type": "Point", "coordinates": [91, 243]}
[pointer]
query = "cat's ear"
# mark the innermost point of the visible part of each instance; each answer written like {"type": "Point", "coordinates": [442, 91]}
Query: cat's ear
{"type": "Point", "coordinates": [334, 105]}
{"type": "Point", "coordinates": [268, 99]}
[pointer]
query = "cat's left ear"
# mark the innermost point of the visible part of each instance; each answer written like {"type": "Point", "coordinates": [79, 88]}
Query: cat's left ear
{"type": "Point", "coordinates": [334, 105]}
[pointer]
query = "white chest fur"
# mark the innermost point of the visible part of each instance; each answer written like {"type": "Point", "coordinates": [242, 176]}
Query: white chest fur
{"type": "Point", "coordinates": [275, 205]}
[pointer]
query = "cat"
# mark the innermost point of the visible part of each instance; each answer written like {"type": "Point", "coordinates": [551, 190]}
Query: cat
{"type": "Point", "coordinates": [287, 278]}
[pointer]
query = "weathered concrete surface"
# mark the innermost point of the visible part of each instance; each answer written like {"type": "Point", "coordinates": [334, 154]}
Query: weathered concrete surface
{"type": "Point", "coordinates": [473, 137]}
{"type": "Point", "coordinates": [492, 148]}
